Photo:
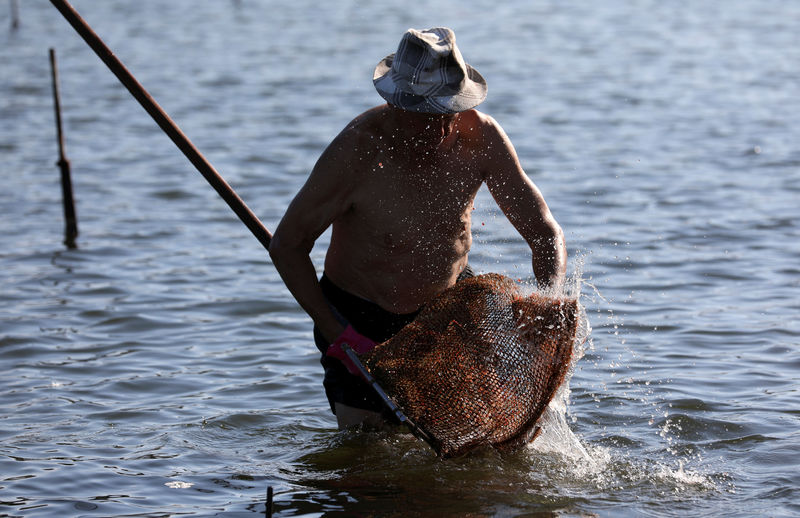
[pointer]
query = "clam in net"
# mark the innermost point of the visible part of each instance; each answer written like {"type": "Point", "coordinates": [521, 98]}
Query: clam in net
{"type": "Point", "coordinates": [478, 366]}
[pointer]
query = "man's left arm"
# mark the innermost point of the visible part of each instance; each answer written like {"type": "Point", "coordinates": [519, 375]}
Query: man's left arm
{"type": "Point", "coordinates": [524, 206]}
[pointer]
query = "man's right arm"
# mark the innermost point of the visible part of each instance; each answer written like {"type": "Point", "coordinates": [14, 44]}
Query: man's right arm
{"type": "Point", "coordinates": [324, 197]}
{"type": "Point", "coordinates": [524, 206]}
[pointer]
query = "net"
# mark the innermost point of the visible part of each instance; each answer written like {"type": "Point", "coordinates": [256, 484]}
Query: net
{"type": "Point", "coordinates": [479, 365]}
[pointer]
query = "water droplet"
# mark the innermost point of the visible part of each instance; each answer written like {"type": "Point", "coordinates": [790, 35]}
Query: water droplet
{"type": "Point", "coordinates": [178, 484]}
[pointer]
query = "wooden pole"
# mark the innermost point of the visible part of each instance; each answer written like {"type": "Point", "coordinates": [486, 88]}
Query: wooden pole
{"type": "Point", "coordinates": [71, 228]}
{"type": "Point", "coordinates": [268, 508]}
{"type": "Point", "coordinates": [165, 122]}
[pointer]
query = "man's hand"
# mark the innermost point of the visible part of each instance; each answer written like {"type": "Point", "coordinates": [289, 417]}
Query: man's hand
{"type": "Point", "coordinates": [357, 342]}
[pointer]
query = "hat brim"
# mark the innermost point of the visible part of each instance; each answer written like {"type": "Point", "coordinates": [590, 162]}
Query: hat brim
{"type": "Point", "coordinates": [471, 92]}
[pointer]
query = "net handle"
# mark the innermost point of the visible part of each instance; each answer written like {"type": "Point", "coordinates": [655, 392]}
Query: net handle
{"type": "Point", "coordinates": [165, 122]}
{"type": "Point", "coordinates": [391, 405]}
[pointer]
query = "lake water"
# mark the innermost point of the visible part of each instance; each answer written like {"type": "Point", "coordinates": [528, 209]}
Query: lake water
{"type": "Point", "coordinates": [161, 368]}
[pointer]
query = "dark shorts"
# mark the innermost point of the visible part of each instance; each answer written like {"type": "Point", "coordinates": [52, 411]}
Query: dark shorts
{"type": "Point", "coordinates": [370, 320]}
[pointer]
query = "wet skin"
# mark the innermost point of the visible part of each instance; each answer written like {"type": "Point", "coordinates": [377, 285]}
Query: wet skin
{"type": "Point", "coordinates": [398, 189]}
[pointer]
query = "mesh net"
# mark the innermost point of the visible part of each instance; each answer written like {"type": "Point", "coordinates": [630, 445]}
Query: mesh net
{"type": "Point", "coordinates": [479, 365]}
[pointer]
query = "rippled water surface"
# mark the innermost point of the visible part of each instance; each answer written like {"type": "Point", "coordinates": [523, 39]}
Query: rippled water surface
{"type": "Point", "coordinates": [161, 368]}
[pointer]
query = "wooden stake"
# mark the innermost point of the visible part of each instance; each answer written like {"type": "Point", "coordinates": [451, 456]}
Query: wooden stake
{"type": "Point", "coordinates": [71, 230]}
{"type": "Point", "coordinates": [268, 509]}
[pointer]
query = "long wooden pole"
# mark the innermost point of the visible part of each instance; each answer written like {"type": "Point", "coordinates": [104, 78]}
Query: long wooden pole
{"type": "Point", "coordinates": [71, 227]}
{"type": "Point", "coordinates": [165, 122]}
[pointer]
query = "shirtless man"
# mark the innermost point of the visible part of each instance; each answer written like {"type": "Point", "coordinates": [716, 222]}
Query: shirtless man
{"type": "Point", "coordinates": [398, 185]}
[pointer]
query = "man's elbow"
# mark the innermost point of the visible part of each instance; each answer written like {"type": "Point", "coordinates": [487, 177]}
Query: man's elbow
{"type": "Point", "coordinates": [274, 249]}
{"type": "Point", "coordinates": [283, 250]}
{"type": "Point", "coordinates": [550, 236]}
{"type": "Point", "coordinates": [279, 250]}
{"type": "Point", "coordinates": [559, 246]}
{"type": "Point", "coordinates": [549, 255]}
{"type": "Point", "coordinates": [559, 241]}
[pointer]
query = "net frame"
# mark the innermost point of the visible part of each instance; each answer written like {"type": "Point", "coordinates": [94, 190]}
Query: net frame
{"type": "Point", "coordinates": [477, 367]}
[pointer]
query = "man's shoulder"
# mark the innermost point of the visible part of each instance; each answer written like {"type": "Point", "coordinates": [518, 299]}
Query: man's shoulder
{"type": "Point", "coordinates": [354, 143]}
{"type": "Point", "coordinates": [485, 121]}
{"type": "Point", "coordinates": [372, 124]}
{"type": "Point", "coordinates": [363, 126]}
{"type": "Point", "coordinates": [478, 128]}
{"type": "Point", "coordinates": [369, 119]}
{"type": "Point", "coordinates": [354, 136]}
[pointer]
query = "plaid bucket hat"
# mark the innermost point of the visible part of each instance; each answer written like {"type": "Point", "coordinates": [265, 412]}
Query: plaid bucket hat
{"type": "Point", "coordinates": [427, 74]}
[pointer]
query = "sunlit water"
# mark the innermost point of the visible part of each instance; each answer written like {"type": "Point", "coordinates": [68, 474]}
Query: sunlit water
{"type": "Point", "coordinates": [161, 368]}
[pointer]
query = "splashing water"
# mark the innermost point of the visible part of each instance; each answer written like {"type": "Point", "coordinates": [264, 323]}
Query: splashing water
{"type": "Point", "coordinates": [557, 436]}
{"type": "Point", "coordinates": [600, 466]}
